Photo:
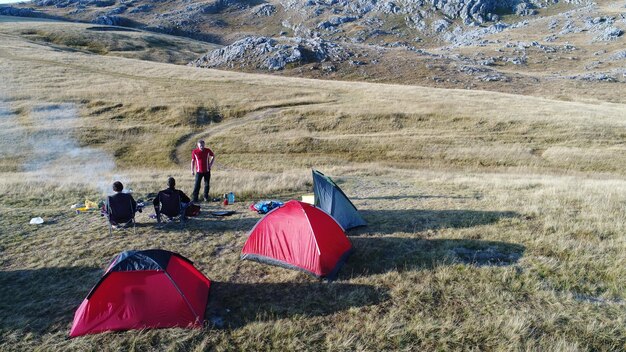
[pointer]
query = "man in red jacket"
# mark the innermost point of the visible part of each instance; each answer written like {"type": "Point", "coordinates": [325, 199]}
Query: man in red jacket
{"type": "Point", "coordinates": [201, 161]}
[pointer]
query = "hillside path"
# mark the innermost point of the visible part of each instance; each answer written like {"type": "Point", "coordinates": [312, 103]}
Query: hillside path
{"type": "Point", "coordinates": [182, 152]}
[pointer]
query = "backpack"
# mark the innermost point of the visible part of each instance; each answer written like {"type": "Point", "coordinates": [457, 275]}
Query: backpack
{"type": "Point", "coordinates": [192, 210]}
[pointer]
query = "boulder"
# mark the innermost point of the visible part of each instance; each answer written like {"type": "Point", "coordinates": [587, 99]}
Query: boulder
{"type": "Point", "coordinates": [439, 26]}
{"type": "Point", "coordinates": [610, 33]}
{"type": "Point", "coordinates": [272, 54]}
{"type": "Point", "coordinates": [264, 10]}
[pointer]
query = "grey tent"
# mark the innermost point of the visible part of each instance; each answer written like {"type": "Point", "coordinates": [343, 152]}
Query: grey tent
{"type": "Point", "coordinates": [330, 198]}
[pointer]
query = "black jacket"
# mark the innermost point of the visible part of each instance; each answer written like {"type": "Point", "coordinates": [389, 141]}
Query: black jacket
{"type": "Point", "coordinates": [121, 207]}
{"type": "Point", "coordinates": [162, 202]}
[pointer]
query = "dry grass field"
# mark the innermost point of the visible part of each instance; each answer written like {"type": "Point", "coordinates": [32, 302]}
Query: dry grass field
{"type": "Point", "coordinates": [106, 40]}
{"type": "Point", "coordinates": [496, 221]}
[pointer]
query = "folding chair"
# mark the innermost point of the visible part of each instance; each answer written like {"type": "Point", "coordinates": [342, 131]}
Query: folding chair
{"type": "Point", "coordinates": [120, 216]}
{"type": "Point", "coordinates": [172, 207]}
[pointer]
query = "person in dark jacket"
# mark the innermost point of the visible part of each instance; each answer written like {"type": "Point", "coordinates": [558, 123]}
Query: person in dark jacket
{"type": "Point", "coordinates": [163, 201]}
{"type": "Point", "coordinates": [120, 207]}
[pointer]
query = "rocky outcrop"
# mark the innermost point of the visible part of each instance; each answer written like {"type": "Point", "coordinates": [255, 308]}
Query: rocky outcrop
{"type": "Point", "coordinates": [70, 3]}
{"type": "Point", "coordinates": [328, 19]}
{"type": "Point", "coordinates": [24, 12]}
{"type": "Point", "coordinates": [335, 21]}
{"type": "Point", "coordinates": [618, 56]}
{"type": "Point", "coordinates": [372, 24]}
{"type": "Point", "coordinates": [609, 33]}
{"type": "Point", "coordinates": [264, 10]}
{"type": "Point", "coordinates": [271, 54]}
{"type": "Point", "coordinates": [112, 21]}
{"type": "Point", "coordinates": [13, 11]}
{"type": "Point", "coordinates": [595, 77]}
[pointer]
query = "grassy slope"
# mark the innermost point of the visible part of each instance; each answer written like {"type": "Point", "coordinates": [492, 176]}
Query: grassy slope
{"type": "Point", "coordinates": [446, 179]}
{"type": "Point", "coordinates": [546, 74]}
{"type": "Point", "coordinates": [108, 40]}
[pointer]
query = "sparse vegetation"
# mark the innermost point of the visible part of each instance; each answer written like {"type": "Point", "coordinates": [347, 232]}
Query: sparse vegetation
{"type": "Point", "coordinates": [496, 221]}
{"type": "Point", "coordinates": [109, 40]}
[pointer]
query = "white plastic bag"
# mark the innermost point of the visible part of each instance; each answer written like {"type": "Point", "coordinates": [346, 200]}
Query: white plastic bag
{"type": "Point", "coordinates": [36, 221]}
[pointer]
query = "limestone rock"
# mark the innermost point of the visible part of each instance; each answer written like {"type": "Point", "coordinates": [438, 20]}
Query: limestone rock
{"type": "Point", "coordinates": [272, 54]}
{"type": "Point", "coordinates": [610, 33]}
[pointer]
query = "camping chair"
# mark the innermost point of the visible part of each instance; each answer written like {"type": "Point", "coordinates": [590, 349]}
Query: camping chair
{"type": "Point", "coordinates": [171, 206]}
{"type": "Point", "coordinates": [120, 216]}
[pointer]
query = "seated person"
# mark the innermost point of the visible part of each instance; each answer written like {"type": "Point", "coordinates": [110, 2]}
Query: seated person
{"type": "Point", "coordinates": [120, 207]}
{"type": "Point", "coordinates": [171, 202]}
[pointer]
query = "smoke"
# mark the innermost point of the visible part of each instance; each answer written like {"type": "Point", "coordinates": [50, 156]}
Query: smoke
{"type": "Point", "coordinates": [11, 135]}
{"type": "Point", "coordinates": [56, 154]}
{"type": "Point", "coordinates": [39, 144]}
{"type": "Point", "coordinates": [43, 142]}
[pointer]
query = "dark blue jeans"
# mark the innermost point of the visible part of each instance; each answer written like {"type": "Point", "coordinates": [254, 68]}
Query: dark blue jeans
{"type": "Point", "coordinates": [207, 185]}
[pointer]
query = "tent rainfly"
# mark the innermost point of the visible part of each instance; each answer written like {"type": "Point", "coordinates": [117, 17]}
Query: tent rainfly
{"type": "Point", "coordinates": [330, 198]}
{"type": "Point", "coordinates": [299, 236]}
{"type": "Point", "coordinates": [144, 289]}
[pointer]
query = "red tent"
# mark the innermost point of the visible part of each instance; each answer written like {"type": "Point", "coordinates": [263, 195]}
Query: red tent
{"type": "Point", "coordinates": [144, 289]}
{"type": "Point", "coordinates": [299, 236]}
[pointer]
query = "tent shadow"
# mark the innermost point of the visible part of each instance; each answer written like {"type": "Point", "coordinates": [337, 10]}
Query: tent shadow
{"type": "Point", "coordinates": [38, 300]}
{"type": "Point", "coordinates": [233, 305]}
{"type": "Point", "coordinates": [378, 255]}
{"type": "Point", "coordinates": [415, 220]}
{"type": "Point", "coordinates": [419, 196]}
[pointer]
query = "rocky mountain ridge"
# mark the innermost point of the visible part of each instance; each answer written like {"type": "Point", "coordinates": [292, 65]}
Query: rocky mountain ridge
{"type": "Point", "coordinates": [351, 20]}
{"type": "Point", "coordinates": [450, 43]}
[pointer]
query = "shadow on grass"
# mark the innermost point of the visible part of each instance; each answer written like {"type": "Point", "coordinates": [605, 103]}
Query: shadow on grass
{"type": "Point", "coordinates": [41, 299]}
{"type": "Point", "coordinates": [378, 255]}
{"type": "Point", "coordinates": [415, 220]}
{"type": "Point", "coordinates": [110, 29]}
{"type": "Point", "coordinates": [420, 196]}
{"type": "Point", "coordinates": [233, 305]}
{"type": "Point", "coordinates": [207, 223]}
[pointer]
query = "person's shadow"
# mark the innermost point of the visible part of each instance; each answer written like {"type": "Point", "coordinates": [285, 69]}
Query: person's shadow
{"type": "Point", "coordinates": [232, 305]}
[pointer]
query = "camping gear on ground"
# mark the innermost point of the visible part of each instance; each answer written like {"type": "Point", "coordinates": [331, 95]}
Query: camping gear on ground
{"type": "Point", "coordinates": [265, 206]}
{"type": "Point", "coordinates": [308, 198]}
{"type": "Point", "coordinates": [192, 210]}
{"type": "Point", "coordinates": [229, 198]}
{"type": "Point", "coordinates": [81, 210]}
{"type": "Point", "coordinates": [223, 213]}
{"type": "Point", "coordinates": [299, 236]}
{"type": "Point", "coordinates": [36, 221]}
{"type": "Point", "coordinates": [144, 289]}
{"type": "Point", "coordinates": [330, 198]}
{"type": "Point", "coordinates": [87, 206]}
